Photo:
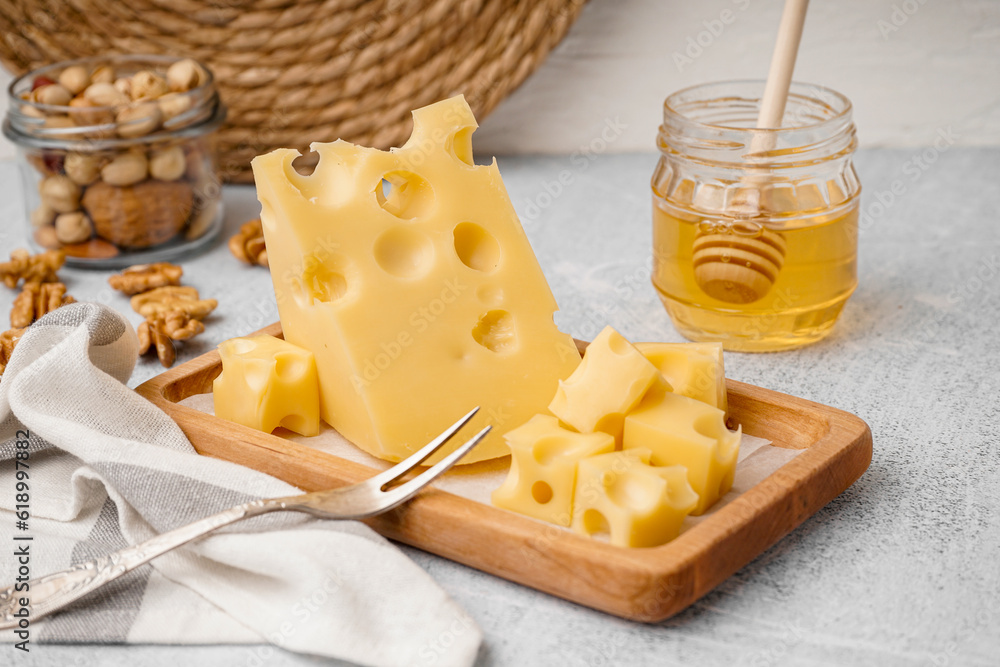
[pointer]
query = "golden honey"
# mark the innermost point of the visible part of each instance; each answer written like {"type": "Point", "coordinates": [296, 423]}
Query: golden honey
{"type": "Point", "coordinates": [798, 305]}
{"type": "Point", "coordinates": [755, 240]}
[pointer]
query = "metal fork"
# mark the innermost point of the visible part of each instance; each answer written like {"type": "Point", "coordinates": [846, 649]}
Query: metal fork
{"type": "Point", "coordinates": [376, 495]}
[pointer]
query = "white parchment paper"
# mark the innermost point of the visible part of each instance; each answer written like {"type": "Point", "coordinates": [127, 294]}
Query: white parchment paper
{"type": "Point", "coordinates": [758, 458]}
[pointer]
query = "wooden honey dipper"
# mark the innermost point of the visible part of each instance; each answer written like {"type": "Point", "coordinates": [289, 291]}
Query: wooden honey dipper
{"type": "Point", "coordinates": [740, 263]}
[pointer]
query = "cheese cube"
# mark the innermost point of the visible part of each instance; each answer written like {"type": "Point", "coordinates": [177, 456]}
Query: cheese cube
{"type": "Point", "coordinates": [265, 383]}
{"type": "Point", "coordinates": [690, 369]}
{"type": "Point", "coordinates": [686, 432]}
{"type": "Point", "coordinates": [543, 468]}
{"type": "Point", "coordinates": [636, 504]}
{"type": "Point", "coordinates": [408, 275]}
{"type": "Point", "coordinates": [608, 383]}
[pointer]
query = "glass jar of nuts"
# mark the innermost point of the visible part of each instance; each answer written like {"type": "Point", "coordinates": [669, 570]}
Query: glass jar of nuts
{"type": "Point", "coordinates": [117, 159]}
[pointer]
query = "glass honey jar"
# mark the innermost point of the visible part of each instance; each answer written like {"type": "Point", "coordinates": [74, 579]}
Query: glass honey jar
{"type": "Point", "coordinates": [755, 230]}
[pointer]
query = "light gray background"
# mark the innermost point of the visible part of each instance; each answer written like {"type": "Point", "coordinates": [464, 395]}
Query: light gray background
{"type": "Point", "coordinates": [902, 569]}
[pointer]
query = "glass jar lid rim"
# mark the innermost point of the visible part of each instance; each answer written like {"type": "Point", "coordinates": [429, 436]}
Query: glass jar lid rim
{"type": "Point", "coordinates": [156, 58]}
{"type": "Point", "coordinates": [204, 111]}
{"type": "Point", "coordinates": [818, 92]}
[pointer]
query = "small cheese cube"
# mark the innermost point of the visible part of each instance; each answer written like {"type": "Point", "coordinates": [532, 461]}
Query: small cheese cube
{"type": "Point", "coordinates": [543, 468]}
{"type": "Point", "coordinates": [691, 369]}
{"type": "Point", "coordinates": [636, 504]}
{"type": "Point", "coordinates": [267, 382]}
{"type": "Point", "coordinates": [609, 382]}
{"type": "Point", "coordinates": [682, 431]}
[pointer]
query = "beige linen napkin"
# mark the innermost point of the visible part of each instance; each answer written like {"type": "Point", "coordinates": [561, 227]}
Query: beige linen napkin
{"type": "Point", "coordinates": [109, 469]}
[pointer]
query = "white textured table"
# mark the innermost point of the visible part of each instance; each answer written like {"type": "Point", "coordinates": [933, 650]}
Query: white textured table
{"type": "Point", "coordinates": [902, 569]}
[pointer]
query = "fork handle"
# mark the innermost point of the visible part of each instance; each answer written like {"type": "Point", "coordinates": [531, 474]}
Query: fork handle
{"type": "Point", "coordinates": [52, 592]}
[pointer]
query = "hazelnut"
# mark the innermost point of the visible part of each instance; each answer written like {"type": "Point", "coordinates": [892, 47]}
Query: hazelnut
{"type": "Point", "coordinates": [43, 216]}
{"type": "Point", "coordinates": [32, 111]}
{"type": "Point", "coordinates": [75, 79]}
{"type": "Point", "coordinates": [126, 169]}
{"type": "Point", "coordinates": [60, 193]}
{"type": "Point", "coordinates": [173, 104]}
{"type": "Point", "coordinates": [82, 168]}
{"type": "Point", "coordinates": [59, 121]}
{"type": "Point", "coordinates": [82, 116]}
{"type": "Point", "coordinates": [104, 95]}
{"type": "Point", "coordinates": [185, 74]}
{"type": "Point", "coordinates": [124, 86]}
{"type": "Point", "coordinates": [103, 74]}
{"type": "Point", "coordinates": [202, 221]}
{"type": "Point", "coordinates": [46, 237]}
{"type": "Point", "coordinates": [148, 86]}
{"type": "Point", "coordinates": [167, 164]}
{"type": "Point", "coordinates": [73, 227]}
{"type": "Point", "coordinates": [139, 120]}
{"type": "Point", "coordinates": [54, 94]}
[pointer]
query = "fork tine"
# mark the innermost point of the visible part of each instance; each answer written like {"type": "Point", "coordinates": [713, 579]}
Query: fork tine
{"type": "Point", "coordinates": [422, 454]}
{"type": "Point", "coordinates": [404, 491]}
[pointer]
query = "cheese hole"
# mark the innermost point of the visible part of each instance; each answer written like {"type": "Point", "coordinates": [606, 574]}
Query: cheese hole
{"type": "Point", "coordinates": [595, 524]}
{"type": "Point", "coordinates": [404, 195]}
{"type": "Point", "coordinates": [322, 280]}
{"type": "Point", "coordinates": [460, 145]}
{"type": "Point", "coordinates": [495, 331]}
{"type": "Point", "coordinates": [404, 252]}
{"type": "Point", "coordinates": [257, 372]}
{"type": "Point", "coordinates": [541, 492]}
{"type": "Point", "coordinates": [545, 450]}
{"type": "Point", "coordinates": [618, 344]}
{"type": "Point", "coordinates": [305, 164]}
{"type": "Point", "coordinates": [476, 247]}
{"type": "Point", "coordinates": [290, 367]}
{"type": "Point", "coordinates": [241, 346]}
{"type": "Point", "coordinates": [634, 491]}
{"type": "Point", "coordinates": [295, 423]}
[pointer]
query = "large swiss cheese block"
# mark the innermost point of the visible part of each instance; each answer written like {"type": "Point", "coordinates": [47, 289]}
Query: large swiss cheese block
{"type": "Point", "coordinates": [409, 277]}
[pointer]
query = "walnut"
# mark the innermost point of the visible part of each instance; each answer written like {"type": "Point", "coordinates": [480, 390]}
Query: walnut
{"type": "Point", "coordinates": [248, 244]}
{"type": "Point", "coordinates": [160, 331]}
{"type": "Point", "coordinates": [164, 300]}
{"type": "Point", "coordinates": [139, 216]}
{"type": "Point", "coordinates": [8, 340]}
{"type": "Point", "coordinates": [36, 300]}
{"type": "Point", "coordinates": [179, 326]}
{"type": "Point", "coordinates": [151, 337]}
{"type": "Point", "coordinates": [40, 268]}
{"type": "Point", "coordinates": [144, 277]}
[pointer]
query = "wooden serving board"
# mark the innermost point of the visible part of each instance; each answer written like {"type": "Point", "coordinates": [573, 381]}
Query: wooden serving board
{"type": "Point", "coordinates": [648, 584]}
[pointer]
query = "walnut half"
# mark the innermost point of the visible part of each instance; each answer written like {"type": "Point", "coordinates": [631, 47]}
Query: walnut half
{"type": "Point", "coordinates": [40, 268]}
{"type": "Point", "coordinates": [160, 331]}
{"type": "Point", "coordinates": [36, 300]}
{"type": "Point", "coordinates": [164, 300]}
{"type": "Point", "coordinates": [144, 277]}
{"type": "Point", "coordinates": [248, 244]}
{"type": "Point", "coordinates": [8, 340]}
